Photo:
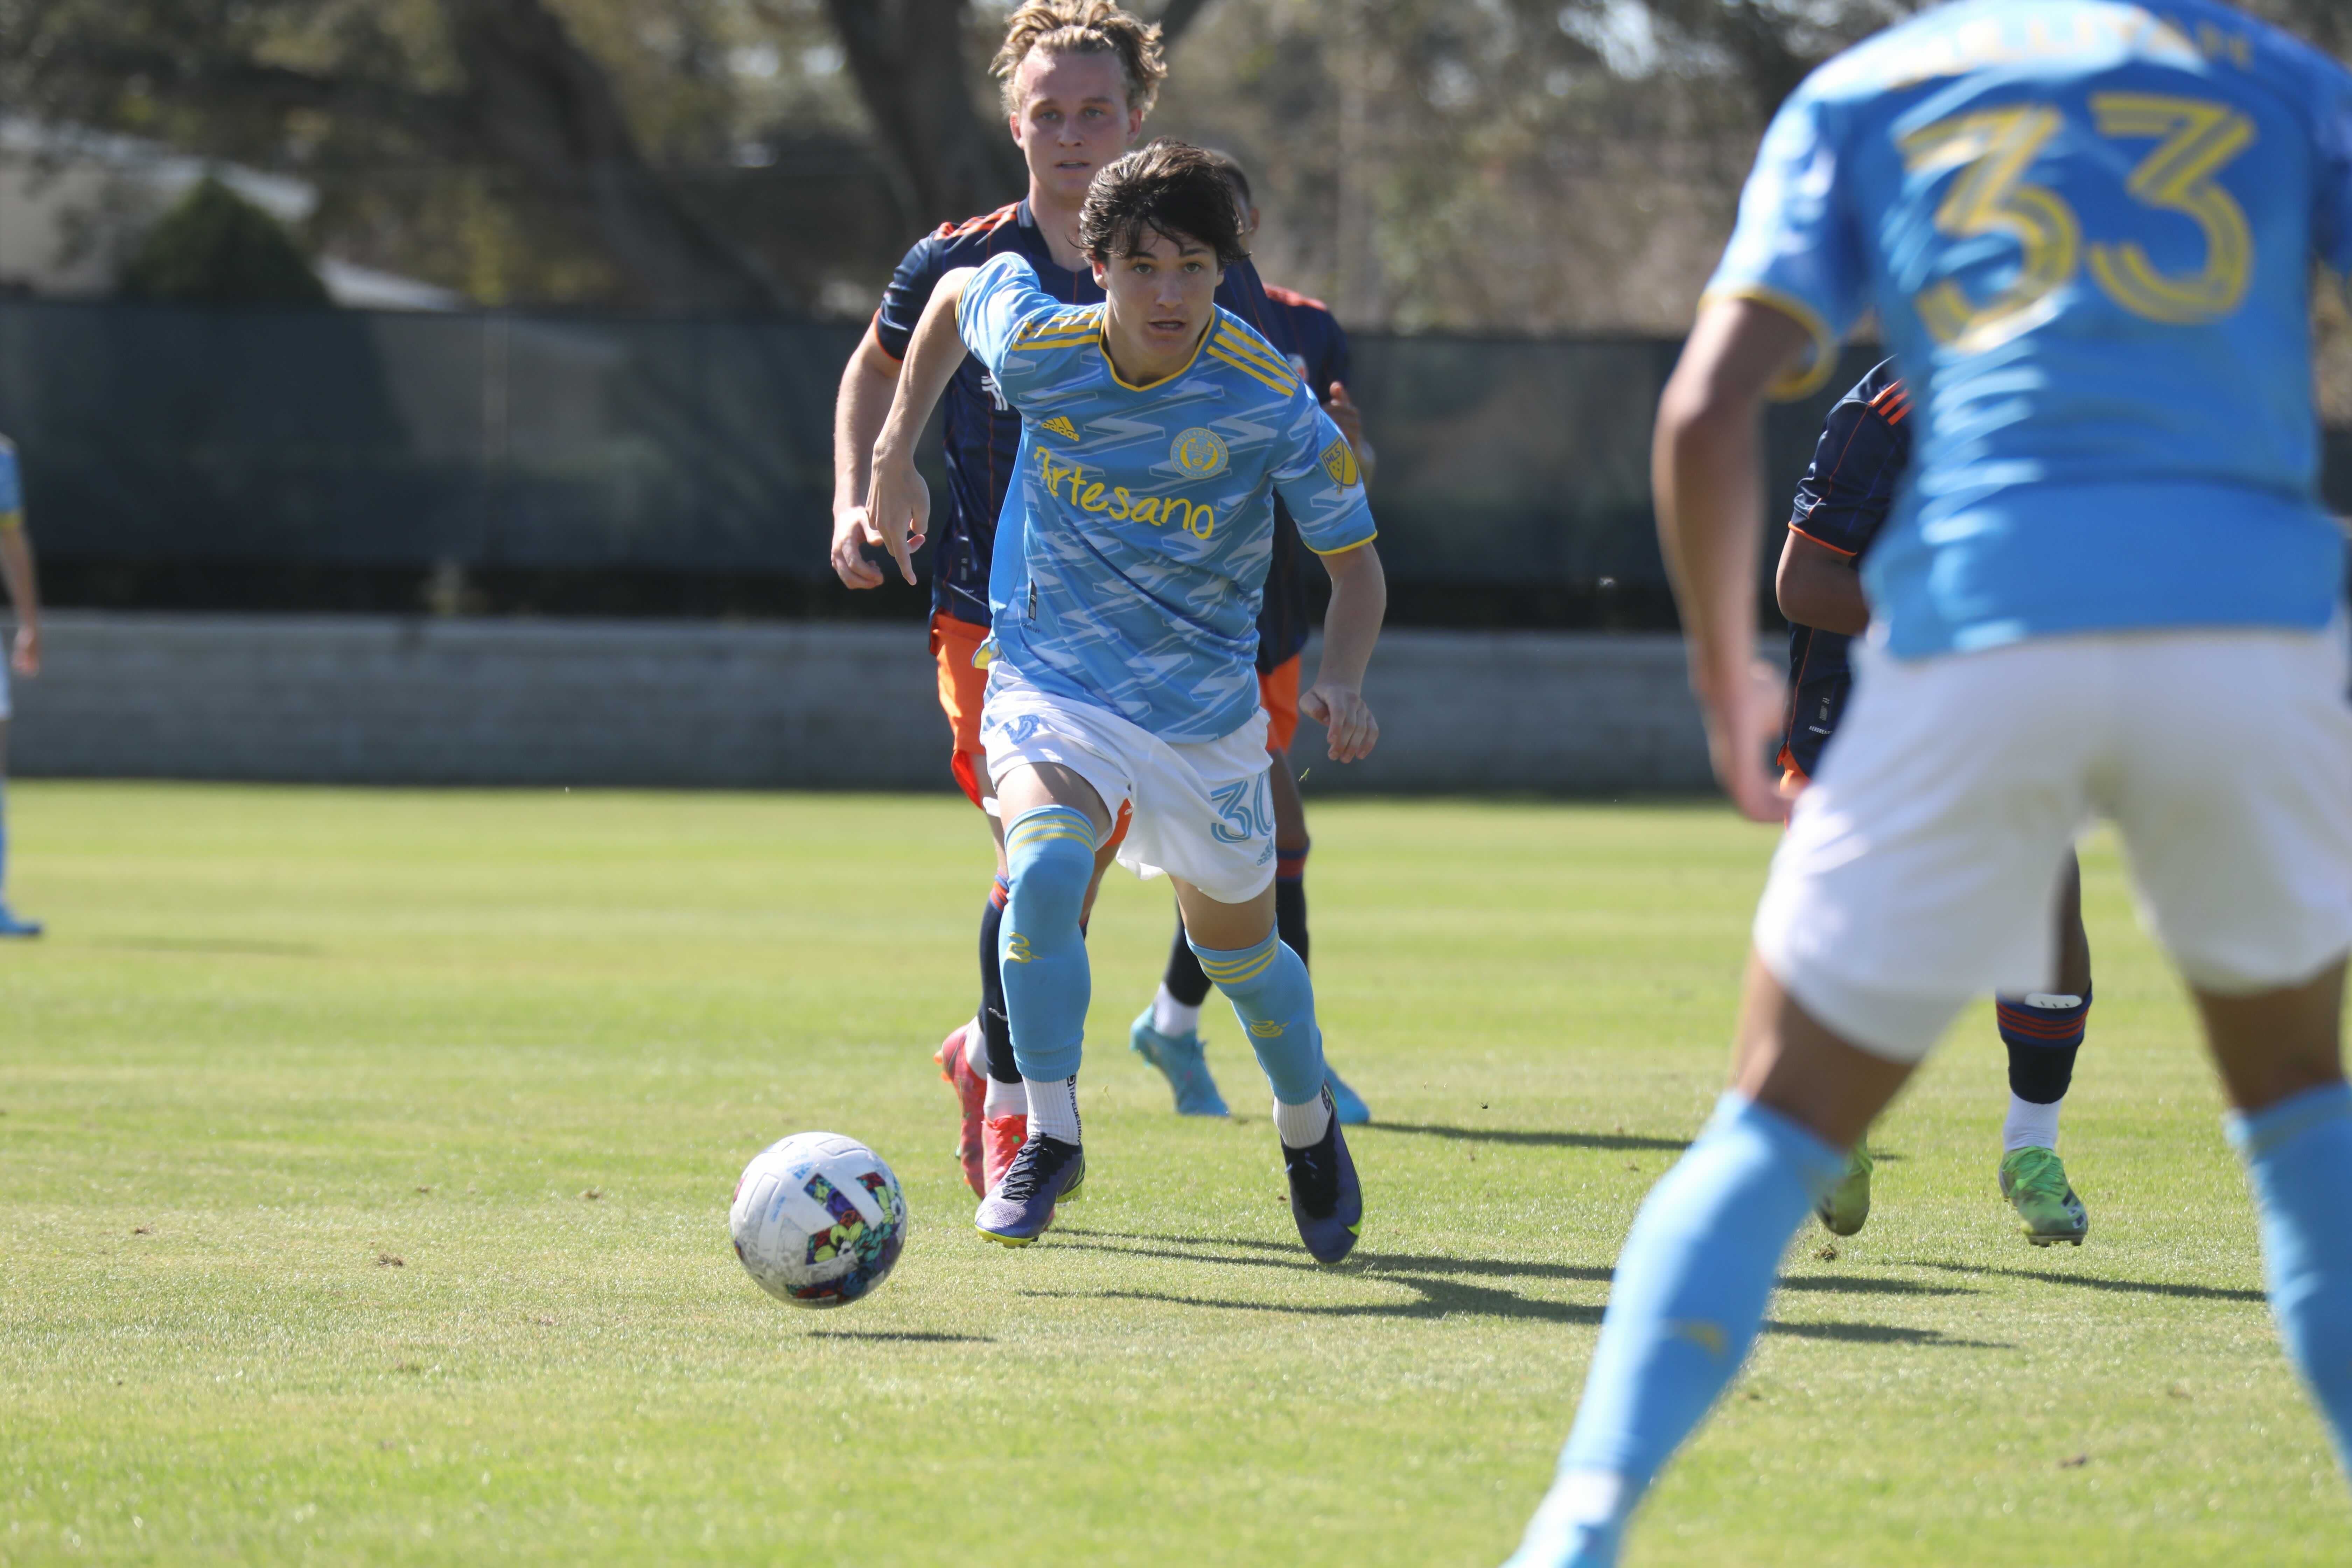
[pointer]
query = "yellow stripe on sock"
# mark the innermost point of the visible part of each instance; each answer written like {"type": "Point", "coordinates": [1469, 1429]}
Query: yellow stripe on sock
{"type": "Point", "coordinates": [1240, 969]}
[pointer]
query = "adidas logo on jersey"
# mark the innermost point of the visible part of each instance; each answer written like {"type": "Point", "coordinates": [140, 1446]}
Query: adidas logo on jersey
{"type": "Point", "coordinates": [1060, 426]}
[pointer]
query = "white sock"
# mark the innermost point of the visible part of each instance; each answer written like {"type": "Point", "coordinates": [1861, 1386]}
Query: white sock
{"type": "Point", "coordinates": [1170, 1017]}
{"type": "Point", "coordinates": [1053, 1108]}
{"type": "Point", "coordinates": [2030, 1126]}
{"type": "Point", "coordinates": [975, 1049]}
{"type": "Point", "coordinates": [1301, 1125]}
{"type": "Point", "coordinates": [1005, 1100]}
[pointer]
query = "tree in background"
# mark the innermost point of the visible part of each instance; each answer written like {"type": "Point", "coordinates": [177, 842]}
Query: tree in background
{"type": "Point", "coordinates": [215, 247]}
{"type": "Point", "coordinates": [1478, 164]}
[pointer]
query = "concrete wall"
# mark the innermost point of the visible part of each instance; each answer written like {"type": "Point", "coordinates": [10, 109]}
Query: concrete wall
{"type": "Point", "coordinates": [384, 701]}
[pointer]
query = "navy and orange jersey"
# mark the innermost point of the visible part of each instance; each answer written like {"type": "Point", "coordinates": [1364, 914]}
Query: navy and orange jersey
{"type": "Point", "coordinates": [1842, 503]}
{"type": "Point", "coordinates": [1307, 330]}
{"type": "Point", "coordinates": [983, 433]}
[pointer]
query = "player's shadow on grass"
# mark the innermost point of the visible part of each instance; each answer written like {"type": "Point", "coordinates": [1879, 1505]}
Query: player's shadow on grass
{"type": "Point", "coordinates": [900, 1336]}
{"type": "Point", "coordinates": [1527, 1139]}
{"type": "Point", "coordinates": [1442, 1291]}
{"type": "Point", "coordinates": [2092, 1283]}
{"type": "Point", "coordinates": [209, 945]}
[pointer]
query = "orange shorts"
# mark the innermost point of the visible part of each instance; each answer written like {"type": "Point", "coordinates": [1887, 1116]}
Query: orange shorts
{"type": "Point", "coordinates": [963, 688]}
{"type": "Point", "coordinates": [1278, 692]}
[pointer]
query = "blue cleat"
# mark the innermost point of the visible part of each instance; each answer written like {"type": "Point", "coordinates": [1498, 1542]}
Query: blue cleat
{"type": "Point", "coordinates": [1180, 1059]}
{"type": "Point", "coordinates": [1045, 1171]}
{"type": "Point", "coordinates": [12, 926]}
{"type": "Point", "coordinates": [1346, 1103]}
{"type": "Point", "coordinates": [1327, 1202]}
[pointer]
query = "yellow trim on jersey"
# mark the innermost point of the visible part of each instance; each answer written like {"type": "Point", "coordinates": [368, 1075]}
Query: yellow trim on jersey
{"type": "Point", "coordinates": [1809, 377]}
{"type": "Point", "coordinates": [1102, 339]}
{"type": "Point", "coordinates": [1069, 321]}
{"type": "Point", "coordinates": [1238, 344]}
{"type": "Point", "coordinates": [1345, 548]}
{"type": "Point", "coordinates": [1285, 387]}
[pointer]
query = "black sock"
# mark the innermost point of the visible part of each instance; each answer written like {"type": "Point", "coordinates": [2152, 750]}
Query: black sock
{"type": "Point", "coordinates": [1184, 979]}
{"type": "Point", "coordinates": [994, 1023]}
{"type": "Point", "coordinates": [1290, 914]}
{"type": "Point", "coordinates": [2042, 1045]}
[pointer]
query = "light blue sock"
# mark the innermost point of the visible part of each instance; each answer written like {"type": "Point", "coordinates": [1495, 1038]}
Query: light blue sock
{"type": "Point", "coordinates": [1271, 994]}
{"type": "Point", "coordinates": [1049, 854]}
{"type": "Point", "coordinates": [2299, 1153]}
{"type": "Point", "coordinates": [1686, 1303]}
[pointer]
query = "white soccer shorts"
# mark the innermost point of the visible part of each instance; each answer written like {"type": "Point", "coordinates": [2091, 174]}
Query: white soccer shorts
{"type": "Point", "coordinates": [1920, 870]}
{"type": "Point", "coordinates": [1204, 813]}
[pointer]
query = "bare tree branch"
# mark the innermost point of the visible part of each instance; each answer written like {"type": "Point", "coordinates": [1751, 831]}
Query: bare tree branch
{"type": "Point", "coordinates": [1176, 17]}
{"type": "Point", "coordinates": [907, 58]}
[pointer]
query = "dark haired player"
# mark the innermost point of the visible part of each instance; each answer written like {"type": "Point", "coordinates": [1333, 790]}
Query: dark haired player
{"type": "Point", "coordinates": [1842, 503]}
{"type": "Point", "coordinates": [1078, 76]}
{"type": "Point", "coordinates": [1166, 1034]}
{"type": "Point", "coordinates": [1155, 430]}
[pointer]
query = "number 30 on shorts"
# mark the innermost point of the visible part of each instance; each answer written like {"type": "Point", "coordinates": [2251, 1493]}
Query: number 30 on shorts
{"type": "Point", "coordinates": [1992, 150]}
{"type": "Point", "coordinates": [1246, 808]}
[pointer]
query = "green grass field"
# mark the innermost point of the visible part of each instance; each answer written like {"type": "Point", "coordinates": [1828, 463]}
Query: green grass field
{"type": "Point", "coordinates": [364, 1158]}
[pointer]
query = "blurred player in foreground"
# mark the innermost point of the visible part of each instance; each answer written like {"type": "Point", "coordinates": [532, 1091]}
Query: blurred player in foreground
{"type": "Point", "coordinates": [2107, 588]}
{"type": "Point", "coordinates": [1167, 1033]}
{"type": "Point", "coordinates": [1155, 430]}
{"type": "Point", "coordinates": [24, 656]}
{"type": "Point", "coordinates": [1842, 503]}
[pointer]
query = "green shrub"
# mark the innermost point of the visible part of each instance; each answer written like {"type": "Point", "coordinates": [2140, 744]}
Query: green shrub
{"type": "Point", "coordinates": [217, 248]}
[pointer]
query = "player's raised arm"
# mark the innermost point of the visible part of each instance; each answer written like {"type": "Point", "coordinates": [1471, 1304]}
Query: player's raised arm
{"type": "Point", "coordinates": [1707, 468]}
{"type": "Point", "coordinates": [898, 504]}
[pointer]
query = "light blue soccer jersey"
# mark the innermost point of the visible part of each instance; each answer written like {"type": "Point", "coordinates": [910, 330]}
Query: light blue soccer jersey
{"type": "Point", "coordinates": [1133, 546]}
{"type": "Point", "coordinates": [12, 486]}
{"type": "Point", "coordinates": [2087, 228]}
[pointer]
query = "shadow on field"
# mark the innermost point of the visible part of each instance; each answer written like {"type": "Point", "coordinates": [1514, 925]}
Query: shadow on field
{"type": "Point", "coordinates": [1443, 1292]}
{"type": "Point", "coordinates": [1866, 1285]}
{"type": "Point", "coordinates": [207, 945]}
{"type": "Point", "coordinates": [2090, 1283]}
{"type": "Point", "coordinates": [1529, 1140]}
{"type": "Point", "coordinates": [900, 1336]}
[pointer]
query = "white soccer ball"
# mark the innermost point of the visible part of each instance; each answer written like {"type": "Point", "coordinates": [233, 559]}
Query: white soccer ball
{"type": "Point", "coordinates": [818, 1219]}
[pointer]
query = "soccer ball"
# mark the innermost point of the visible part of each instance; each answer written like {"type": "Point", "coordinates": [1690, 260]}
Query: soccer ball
{"type": "Point", "coordinates": [818, 1219]}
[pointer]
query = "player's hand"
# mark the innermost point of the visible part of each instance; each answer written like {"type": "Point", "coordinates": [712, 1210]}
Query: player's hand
{"type": "Point", "coordinates": [1345, 715]}
{"type": "Point", "coordinates": [25, 659]}
{"type": "Point", "coordinates": [899, 508]}
{"type": "Point", "coordinates": [851, 534]}
{"type": "Point", "coordinates": [1742, 707]}
{"type": "Point", "coordinates": [1347, 416]}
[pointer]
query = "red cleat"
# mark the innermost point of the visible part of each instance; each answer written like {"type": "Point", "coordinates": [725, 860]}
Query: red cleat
{"type": "Point", "coordinates": [970, 1091]}
{"type": "Point", "coordinates": [1002, 1137]}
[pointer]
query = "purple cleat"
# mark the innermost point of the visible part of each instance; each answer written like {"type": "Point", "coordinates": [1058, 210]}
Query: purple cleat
{"type": "Point", "coordinates": [1021, 1206]}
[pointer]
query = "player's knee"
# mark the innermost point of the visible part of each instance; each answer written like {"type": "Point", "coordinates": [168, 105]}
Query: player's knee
{"type": "Point", "coordinates": [1242, 973]}
{"type": "Point", "coordinates": [1050, 853]}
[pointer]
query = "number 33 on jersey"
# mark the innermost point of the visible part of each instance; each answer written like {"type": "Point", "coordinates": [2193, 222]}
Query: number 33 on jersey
{"type": "Point", "coordinates": [2087, 228]}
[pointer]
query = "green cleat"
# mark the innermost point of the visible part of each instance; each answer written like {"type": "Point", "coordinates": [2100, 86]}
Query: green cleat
{"type": "Point", "coordinates": [1847, 1207]}
{"type": "Point", "coordinates": [2035, 1185]}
